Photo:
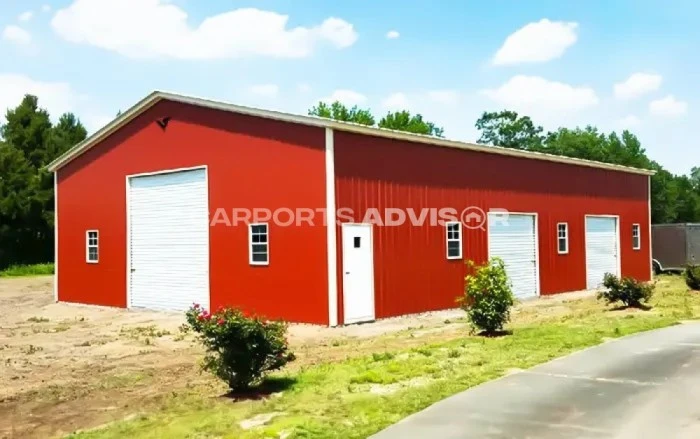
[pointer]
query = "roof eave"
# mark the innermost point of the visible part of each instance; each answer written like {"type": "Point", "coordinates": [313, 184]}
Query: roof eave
{"type": "Point", "coordinates": [157, 96]}
{"type": "Point", "coordinates": [105, 131]}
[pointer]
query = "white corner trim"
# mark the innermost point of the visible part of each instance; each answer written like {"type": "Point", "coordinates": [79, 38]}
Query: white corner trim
{"type": "Point", "coordinates": [332, 254]}
{"type": "Point", "coordinates": [55, 236]}
{"type": "Point", "coordinates": [651, 255]}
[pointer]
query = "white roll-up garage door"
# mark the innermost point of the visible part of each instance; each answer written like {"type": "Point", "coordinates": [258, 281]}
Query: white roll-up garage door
{"type": "Point", "coordinates": [513, 238]}
{"type": "Point", "coordinates": [602, 249]}
{"type": "Point", "coordinates": [168, 240]}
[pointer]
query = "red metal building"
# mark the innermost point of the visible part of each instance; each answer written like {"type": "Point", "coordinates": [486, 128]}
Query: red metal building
{"type": "Point", "coordinates": [151, 212]}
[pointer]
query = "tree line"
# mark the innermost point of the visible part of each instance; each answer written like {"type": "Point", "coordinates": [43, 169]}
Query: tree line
{"type": "Point", "coordinates": [29, 141]}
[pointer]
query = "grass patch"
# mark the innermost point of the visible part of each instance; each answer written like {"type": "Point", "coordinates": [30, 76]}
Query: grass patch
{"type": "Point", "coordinates": [146, 334]}
{"type": "Point", "coordinates": [37, 319]}
{"type": "Point", "coordinates": [341, 399]}
{"type": "Point", "coordinates": [27, 270]}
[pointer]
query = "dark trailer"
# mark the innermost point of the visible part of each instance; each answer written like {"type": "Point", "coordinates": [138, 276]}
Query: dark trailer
{"type": "Point", "coordinates": [673, 246]}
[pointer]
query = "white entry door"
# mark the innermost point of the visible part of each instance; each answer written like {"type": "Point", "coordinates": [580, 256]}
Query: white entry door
{"type": "Point", "coordinates": [168, 240]}
{"type": "Point", "coordinates": [513, 238]}
{"type": "Point", "coordinates": [602, 244]}
{"type": "Point", "coordinates": [358, 273]}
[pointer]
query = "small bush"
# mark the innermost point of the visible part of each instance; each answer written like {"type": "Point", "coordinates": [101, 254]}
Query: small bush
{"type": "Point", "coordinates": [487, 296]}
{"type": "Point", "coordinates": [382, 356]}
{"type": "Point", "coordinates": [240, 349]}
{"type": "Point", "coordinates": [692, 276]}
{"type": "Point", "coordinates": [629, 291]}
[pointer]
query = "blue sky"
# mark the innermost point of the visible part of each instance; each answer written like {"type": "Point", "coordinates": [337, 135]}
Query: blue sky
{"type": "Point", "coordinates": [616, 65]}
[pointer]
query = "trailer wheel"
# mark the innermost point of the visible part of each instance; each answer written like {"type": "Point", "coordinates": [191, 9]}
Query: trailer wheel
{"type": "Point", "coordinates": [656, 267]}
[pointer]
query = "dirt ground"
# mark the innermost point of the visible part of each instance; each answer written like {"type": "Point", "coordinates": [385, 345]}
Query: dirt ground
{"type": "Point", "coordinates": [65, 367]}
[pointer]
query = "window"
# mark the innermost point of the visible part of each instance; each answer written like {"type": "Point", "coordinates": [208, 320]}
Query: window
{"type": "Point", "coordinates": [92, 254]}
{"type": "Point", "coordinates": [563, 238]}
{"type": "Point", "coordinates": [454, 240]}
{"type": "Point", "coordinates": [636, 242]}
{"type": "Point", "coordinates": [259, 245]}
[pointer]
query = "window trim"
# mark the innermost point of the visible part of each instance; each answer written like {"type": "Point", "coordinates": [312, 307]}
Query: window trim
{"type": "Point", "coordinates": [565, 238]}
{"type": "Point", "coordinates": [638, 229]}
{"type": "Point", "coordinates": [266, 243]}
{"type": "Point", "coordinates": [448, 239]}
{"type": "Point", "coordinates": [88, 246]}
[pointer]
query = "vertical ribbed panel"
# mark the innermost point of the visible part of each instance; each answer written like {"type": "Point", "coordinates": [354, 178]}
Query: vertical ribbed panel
{"type": "Point", "coordinates": [412, 272]}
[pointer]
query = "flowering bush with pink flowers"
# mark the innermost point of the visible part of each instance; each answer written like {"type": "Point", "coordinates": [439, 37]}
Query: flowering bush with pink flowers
{"type": "Point", "coordinates": [240, 349]}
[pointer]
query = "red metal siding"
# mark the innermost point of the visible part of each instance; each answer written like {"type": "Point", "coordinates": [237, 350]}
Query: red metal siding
{"type": "Point", "coordinates": [252, 163]}
{"type": "Point", "coordinates": [412, 273]}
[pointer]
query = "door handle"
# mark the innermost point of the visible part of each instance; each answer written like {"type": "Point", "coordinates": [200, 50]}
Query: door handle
{"type": "Point", "coordinates": [347, 272]}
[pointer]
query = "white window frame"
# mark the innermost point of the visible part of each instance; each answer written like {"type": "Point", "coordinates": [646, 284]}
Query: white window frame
{"type": "Point", "coordinates": [636, 228]}
{"type": "Point", "coordinates": [266, 243]}
{"type": "Point", "coordinates": [88, 246]}
{"type": "Point", "coordinates": [448, 239]}
{"type": "Point", "coordinates": [565, 238]}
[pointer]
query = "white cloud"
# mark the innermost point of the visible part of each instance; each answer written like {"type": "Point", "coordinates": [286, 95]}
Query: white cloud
{"type": "Point", "coordinates": [393, 34]}
{"type": "Point", "coordinates": [56, 97]}
{"type": "Point", "coordinates": [347, 97]}
{"type": "Point", "coordinates": [536, 94]}
{"type": "Point", "coordinates": [668, 107]}
{"type": "Point", "coordinates": [537, 42]}
{"type": "Point", "coordinates": [303, 87]}
{"type": "Point", "coordinates": [94, 122]}
{"type": "Point", "coordinates": [444, 96]}
{"type": "Point", "coordinates": [158, 28]}
{"type": "Point", "coordinates": [629, 121]}
{"type": "Point", "coordinates": [396, 101]}
{"type": "Point", "coordinates": [16, 34]}
{"type": "Point", "coordinates": [46, 8]}
{"type": "Point", "coordinates": [637, 84]}
{"type": "Point", "coordinates": [25, 16]}
{"type": "Point", "coordinates": [266, 90]}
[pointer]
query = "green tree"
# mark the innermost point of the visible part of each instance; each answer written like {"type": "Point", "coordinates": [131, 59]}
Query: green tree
{"type": "Point", "coordinates": [688, 201]}
{"type": "Point", "coordinates": [30, 142]}
{"type": "Point", "coordinates": [673, 198]}
{"type": "Point", "coordinates": [399, 120]}
{"type": "Point", "coordinates": [695, 177]}
{"type": "Point", "coordinates": [27, 129]}
{"type": "Point", "coordinates": [338, 111]}
{"type": "Point", "coordinates": [664, 196]}
{"type": "Point", "coordinates": [405, 121]}
{"type": "Point", "coordinates": [507, 129]}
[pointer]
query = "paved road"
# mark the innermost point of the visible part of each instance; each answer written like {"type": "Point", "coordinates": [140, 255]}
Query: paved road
{"type": "Point", "coordinates": [643, 386]}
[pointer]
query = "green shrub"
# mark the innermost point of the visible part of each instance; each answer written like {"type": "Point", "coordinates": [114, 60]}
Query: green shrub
{"type": "Point", "coordinates": [629, 291]}
{"type": "Point", "coordinates": [487, 296]}
{"type": "Point", "coordinates": [692, 276]}
{"type": "Point", "coordinates": [240, 349]}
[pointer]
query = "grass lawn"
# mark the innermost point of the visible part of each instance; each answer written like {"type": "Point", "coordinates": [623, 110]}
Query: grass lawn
{"type": "Point", "coordinates": [360, 396]}
{"type": "Point", "coordinates": [28, 270]}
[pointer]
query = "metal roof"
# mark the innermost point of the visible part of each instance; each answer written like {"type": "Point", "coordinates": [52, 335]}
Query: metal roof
{"type": "Point", "coordinates": [158, 96]}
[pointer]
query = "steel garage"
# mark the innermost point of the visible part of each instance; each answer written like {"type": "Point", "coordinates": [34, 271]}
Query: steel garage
{"type": "Point", "coordinates": [151, 213]}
